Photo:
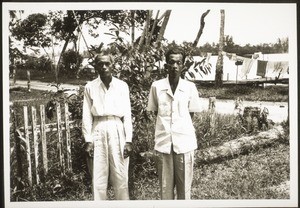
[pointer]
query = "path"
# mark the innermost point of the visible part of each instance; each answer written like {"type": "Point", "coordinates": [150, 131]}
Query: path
{"type": "Point", "coordinates": [278, 111]}
{"type": "Point", "coordinates": [37, 85]}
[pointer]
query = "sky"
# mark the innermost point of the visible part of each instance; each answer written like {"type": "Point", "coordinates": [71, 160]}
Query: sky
{"type": "Point", "coordinates": [246, 23]}
{"type": "Point", "coordinates": [253, 24]}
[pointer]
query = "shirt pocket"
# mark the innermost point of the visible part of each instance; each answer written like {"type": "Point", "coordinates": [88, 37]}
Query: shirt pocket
{"type": "Point", "coordinates": [164, 108]}
{"type": "Point", "coordinates": [164, 104]}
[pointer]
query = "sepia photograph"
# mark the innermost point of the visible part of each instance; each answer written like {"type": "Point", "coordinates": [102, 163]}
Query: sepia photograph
{"type": "Point", "coordinates": [140, 104]}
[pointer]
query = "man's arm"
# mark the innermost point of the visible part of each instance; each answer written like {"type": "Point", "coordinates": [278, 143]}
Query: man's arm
{"type": "Point", "coordinates": [152, 100]}
{"type": "Point", "coordinates": [87, 122]}
{"type": "Point", "coordinates": [87, 117]}
{"type": "Point", "coordinates": [127, 121]}
{"type": "Point", "coordinates": [127, 115]}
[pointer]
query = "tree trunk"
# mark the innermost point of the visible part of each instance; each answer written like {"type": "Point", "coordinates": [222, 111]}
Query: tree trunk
{"type": "Point", "coordinates": [145, 31]}
{"type": "Point", "coordinates": [202, 24]}
{"type": "Point", "coordinates": [58, 62]}
{"type": "Point", "coordinates": [163, 26]}
{"type": "Point", "coordinates": [132, 26]}
{"type": "Point", "coordinates": [239, 146]}
{"type": "Point", "coordinates": [219, 66]}
{"type": "Point", "coordinates": [147, 35]}
{"type": "Point", "coordinates": [232, 148]}
{"type": "Point", "coordinates": [152, 29]}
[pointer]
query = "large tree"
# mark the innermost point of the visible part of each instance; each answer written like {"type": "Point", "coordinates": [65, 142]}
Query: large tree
{"type": "Point", "coordinates": [219, 65]}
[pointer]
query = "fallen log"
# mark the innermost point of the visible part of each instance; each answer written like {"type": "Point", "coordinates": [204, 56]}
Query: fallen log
{"type": "Point", "coordinates": [239, 146]}
{"type": "Point", "coordinates": [234, 147]}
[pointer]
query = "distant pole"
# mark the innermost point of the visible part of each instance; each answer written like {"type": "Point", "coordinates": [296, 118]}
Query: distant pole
{"type": "Point", "coordinates": [28, 83]}
{"type": "Point", "coordinates": [237, 71]}
{"type": "Point", "coordinates": [237, 63]}
{"type": "Point", "coordinates": [212, 108]}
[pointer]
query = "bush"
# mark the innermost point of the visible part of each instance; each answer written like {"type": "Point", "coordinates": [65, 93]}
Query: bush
{"type": "Point", "coordinates": [70, 63]}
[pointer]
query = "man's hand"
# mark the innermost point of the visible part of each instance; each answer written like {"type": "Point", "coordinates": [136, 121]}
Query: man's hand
{"type": "Point", "coordinates": [127, 149]}
{"type": "Point", "coordinates": [89, 149]}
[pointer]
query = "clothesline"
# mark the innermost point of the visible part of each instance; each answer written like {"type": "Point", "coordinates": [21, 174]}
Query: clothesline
{"type": "Point", "coordinates": [264, 68]}
{"type": "Point", "coordinates": [254, 66]}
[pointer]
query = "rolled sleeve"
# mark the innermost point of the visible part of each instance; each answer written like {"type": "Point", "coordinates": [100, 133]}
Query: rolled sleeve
{"type": "Point", "coordinates": [152, 100]}
{"type": "Point", "coordinates": [194, 103]}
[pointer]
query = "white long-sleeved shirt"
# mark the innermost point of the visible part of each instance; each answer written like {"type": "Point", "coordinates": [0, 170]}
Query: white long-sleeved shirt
{"type": "Point", "coordinates": [100, 101]}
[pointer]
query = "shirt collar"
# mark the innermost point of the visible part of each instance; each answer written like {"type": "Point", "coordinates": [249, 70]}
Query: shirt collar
{"type": "Point", "coordinates": [167, 85]}
{"type": "Point", "coordinates": [111, 84]}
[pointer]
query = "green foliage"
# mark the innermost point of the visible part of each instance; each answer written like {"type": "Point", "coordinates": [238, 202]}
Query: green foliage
{"type": "Point", "coordinates": [71, 61]}
{"type": "Point", "coordinates": [42, 64]}
{"type": "Point", "coordinates": [31, 31]}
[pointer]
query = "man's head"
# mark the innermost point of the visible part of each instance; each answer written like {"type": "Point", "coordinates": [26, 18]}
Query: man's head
{"type": "Point", "coordinates": [175, 61]}
{"type": "Point", "coordinates": [103, 65]}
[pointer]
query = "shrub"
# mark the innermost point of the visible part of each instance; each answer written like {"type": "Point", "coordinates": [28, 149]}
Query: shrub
{"type": "Point", "coordinates": [70, 63]}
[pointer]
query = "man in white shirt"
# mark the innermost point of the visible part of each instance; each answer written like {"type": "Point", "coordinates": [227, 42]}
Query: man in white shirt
{"type": "Point", "coordinates": [107, 129]}
{"type": "Point", "coordinates": [174, 100]}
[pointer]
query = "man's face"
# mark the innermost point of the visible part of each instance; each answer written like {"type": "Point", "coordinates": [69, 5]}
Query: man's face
{"type": "Point", "coordinates": [175, 65]}
{"type": "Point", "coordinates": [104, 66]}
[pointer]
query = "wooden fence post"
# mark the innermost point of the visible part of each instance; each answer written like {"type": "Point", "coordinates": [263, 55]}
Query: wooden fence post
{"type": "Point", "coordinates": [17, 149]}
{"type": "Point", "coordinates": [68, 139]}
{"type": "Point", "coordinates": [39, 135]}
{"type": "Point", "coordinates": [59, 134]}
{"type": "Point", "coordinates": [43, 139]}
{"type": "Point", "coordinates": [14, 76]}
{"type": "Point", "coordinates": [28, 151]}
{"type": "Point", "coordinates": [35, 143]}
{"type": "Point", "coordinates": [212, 108]}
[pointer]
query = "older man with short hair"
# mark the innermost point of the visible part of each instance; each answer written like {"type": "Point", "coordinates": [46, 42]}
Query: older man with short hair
{"type": "Point", "coordinates": [107, 129]}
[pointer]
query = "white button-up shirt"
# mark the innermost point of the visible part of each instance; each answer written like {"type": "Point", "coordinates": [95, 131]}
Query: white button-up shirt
{"type": "Point", "coordinates": [98, 101]}
{"type": "Point", "coordinates": [174, 124]}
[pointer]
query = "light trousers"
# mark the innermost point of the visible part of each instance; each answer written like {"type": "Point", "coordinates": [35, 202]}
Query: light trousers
{"type": "Point", "coordinates": [175, 170]}
{"type": "Point", "coordinates": [109, 163]}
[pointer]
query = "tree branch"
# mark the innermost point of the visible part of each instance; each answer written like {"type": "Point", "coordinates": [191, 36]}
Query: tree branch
{"type": "Point", "coordinates": [202, 24]}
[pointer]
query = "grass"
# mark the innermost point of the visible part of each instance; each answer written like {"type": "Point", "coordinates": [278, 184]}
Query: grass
{"type": "Point", "coordinates": [251, 176]}
{"type": "Point", "coordinates": [274, 93]}
{"type": "Point", "coordinates": [246, 177]}
{"type": "Point", "coordinates": [50, 77]}
{"type": "Point", "coordinates": [22, 95]}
